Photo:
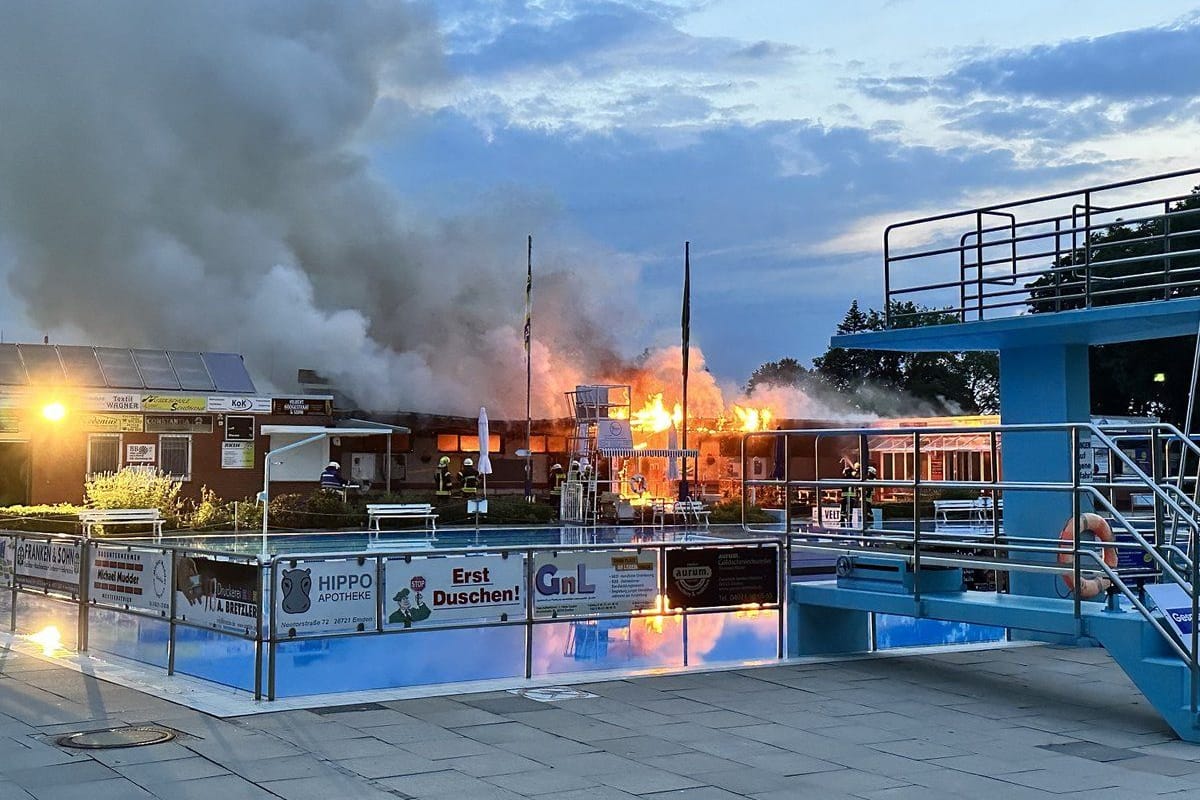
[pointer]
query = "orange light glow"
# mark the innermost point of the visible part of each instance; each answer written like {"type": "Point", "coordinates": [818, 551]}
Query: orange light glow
{"type": "Point", "coordinates": [48, 639]}
{"type": "Point", "coordinates": [54, 411]}
{"type": "Point", "coordinates": [653, 417]}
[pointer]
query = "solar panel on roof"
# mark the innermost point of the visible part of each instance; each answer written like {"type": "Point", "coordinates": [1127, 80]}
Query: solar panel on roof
{"type": "Point", "coordinates": [81, 366]}
{"type": "Point", "coordinates": [190, 369]}
{"type": "Point", "coordinates": [119, 371]}
{"type": "Point", "coordinates": [41, 363]}
{"type": "Point", "coordinates": [12, 373]}
{"type": "Point", "coordinates": [156, 369]}
{"type": "Point", "coordinates": [228, 372]}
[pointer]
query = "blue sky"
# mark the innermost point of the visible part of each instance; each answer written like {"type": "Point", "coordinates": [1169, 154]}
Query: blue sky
{"type": "Point", "coordinates": [779, 137]}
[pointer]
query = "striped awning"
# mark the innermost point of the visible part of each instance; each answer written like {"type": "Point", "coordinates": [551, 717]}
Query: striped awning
{"type": "Point", "coordinates": [633, 452]}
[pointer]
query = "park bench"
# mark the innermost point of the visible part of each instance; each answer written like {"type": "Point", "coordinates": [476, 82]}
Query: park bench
{"type": "Point", "coordinates": [679, 510]}
{"type": "Point", "coordinates": [377, 512]}
{"type": "Point", "coordinates": [964, 516]}
{"type": "Point", "coordinates": [103, 520]}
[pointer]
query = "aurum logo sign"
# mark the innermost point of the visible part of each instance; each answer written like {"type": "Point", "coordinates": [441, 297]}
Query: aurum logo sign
{"type": "Point", "coordinates": [692, 580]}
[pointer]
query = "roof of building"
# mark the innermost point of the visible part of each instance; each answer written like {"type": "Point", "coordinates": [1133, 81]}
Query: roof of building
{"type": "Point", "coordinates": [121, 368]}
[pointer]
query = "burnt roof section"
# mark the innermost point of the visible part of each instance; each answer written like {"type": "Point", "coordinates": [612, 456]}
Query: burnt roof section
{"type": "Point", "coordinates": [119, 368]}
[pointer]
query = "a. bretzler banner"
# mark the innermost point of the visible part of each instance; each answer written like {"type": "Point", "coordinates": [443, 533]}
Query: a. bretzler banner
{"type": "Point", "coordinates": [427, 592]}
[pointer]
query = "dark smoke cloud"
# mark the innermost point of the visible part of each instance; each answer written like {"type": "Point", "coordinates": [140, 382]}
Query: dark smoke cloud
{"type": "Point", "coordinates": [192, 175]}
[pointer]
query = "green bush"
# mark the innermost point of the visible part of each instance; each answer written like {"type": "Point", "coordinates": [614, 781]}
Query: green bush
{"type": "Point", "coordinates": [135, 487]}
{"type": "Point", "coordinates": [63, 518]}
{"type": "Point", "coordinates": [730, 512]}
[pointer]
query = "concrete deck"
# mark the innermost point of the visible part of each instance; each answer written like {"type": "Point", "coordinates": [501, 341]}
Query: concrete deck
{"type": "Point", "coordinates": [1018, 722]}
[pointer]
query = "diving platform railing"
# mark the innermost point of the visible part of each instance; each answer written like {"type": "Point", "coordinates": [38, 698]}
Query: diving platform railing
{"type": "Point", "coordinates": [1124, 242]}
{"type": "Point", "coordinates": [1164, 546]}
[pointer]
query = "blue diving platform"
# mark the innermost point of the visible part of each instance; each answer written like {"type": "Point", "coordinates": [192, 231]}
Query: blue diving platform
{"type": "Point", "coordinates": [826, 619]}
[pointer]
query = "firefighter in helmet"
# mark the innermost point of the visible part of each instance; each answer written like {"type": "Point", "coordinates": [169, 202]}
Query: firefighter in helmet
{"type": "Point", "coordinates": [557, 476]}
{"type": "Point", "coordinates": [443, 481]}
{"type": "Point", "coordinates": [849, 491]}
{"type": "Point", "coordinates": [468, 477]}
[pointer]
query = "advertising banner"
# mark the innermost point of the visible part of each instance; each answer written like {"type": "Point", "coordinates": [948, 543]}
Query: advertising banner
{"type": "Point", "coordinates": [319, 597]}
{"type": "Point", "coordinates": [140, 453]}
{"type": "Point", "coordinates": [217, 594]}
{"type": "Point", "coordinates": [162, 402]}
{"type": "Point", "coordinates": [10, 421]}
{"type": "Point", "coordinates": [179, 423]}
{"type": "Point", "coordinates": [49, 565]}
{"type": "Point", "coordinates": [717, 577]}
{"type": "Point", "coordinates": [111, 401]}
{"type": "Point", "coordinates": [301, 407]}
{"type": "Point", "coordinates": [237, 455]}
{"type": "Point", "coordinates": [110, 423]}
{"type": "Point", "coordinates": [251, 405]}
{"type": "Point", "coordinates": [432, 591]}
{"type": "Point", "coordinates": [8, 546]}
{"type": "Point", "coordinates": [582, 583]}
{"type": "Point", "coordinates": [239, 428]}
{"type": "Point", "coordinates": [139, 579]}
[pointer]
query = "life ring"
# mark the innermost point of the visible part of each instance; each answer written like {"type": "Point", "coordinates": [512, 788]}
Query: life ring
{"type": "Point", "coordinates": [637, 484]}
{"type": "Point", "coordinates": [1088, 587]}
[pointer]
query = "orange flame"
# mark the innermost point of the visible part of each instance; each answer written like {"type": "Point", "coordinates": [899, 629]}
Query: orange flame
{"type": "Point", "coordinates": [653, 417]}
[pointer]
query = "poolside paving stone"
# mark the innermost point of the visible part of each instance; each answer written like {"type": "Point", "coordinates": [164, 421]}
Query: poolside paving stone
{"type": "Point", "coordinates": [1020, 722]}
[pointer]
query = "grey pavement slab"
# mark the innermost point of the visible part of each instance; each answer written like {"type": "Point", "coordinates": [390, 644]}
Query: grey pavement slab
{"type": "Point", "coordinates": [1015, 723]}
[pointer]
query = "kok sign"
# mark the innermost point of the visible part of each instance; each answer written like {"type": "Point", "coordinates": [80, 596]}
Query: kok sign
{"type": "Point", "coordinates": [581, 583]}
{"type": "Point", "coordinates": [320, 597]}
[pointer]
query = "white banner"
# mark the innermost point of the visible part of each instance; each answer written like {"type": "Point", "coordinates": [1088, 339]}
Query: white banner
{"type": "Point", "coordinates": [1176, 608]}
{"type": "Point", "coordinates": [582, 583]}
{"type": "Point", "coordinates": [245, 405]}
{"type": "Point", "coordinates": [318, 597]}
{"type": "Point", "coordinates": [136, 578]}
{"type": "Point", "coordinates": [8, 546]}
{"type": "Point", "coordinates": [111, 401]}
{"type": "Point", "coordinates": [49, 564]}
{"type": "Point", "coordinates": [433, 591]}
{"type": "Point", "coordinates": [237, 455]}
{"type": "Point", "coordinates": [140, 453]}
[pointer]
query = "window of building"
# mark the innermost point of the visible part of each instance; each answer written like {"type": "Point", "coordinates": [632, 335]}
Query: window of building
{"type": "Point", "coordinates": [462, 443]}
{"type": "Point", "coordinates": [104, 452]}
{"type": "Point", "coordinates": [175, 456]}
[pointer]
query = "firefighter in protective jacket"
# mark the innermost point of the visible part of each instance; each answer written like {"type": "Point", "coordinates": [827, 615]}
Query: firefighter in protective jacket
{"type": "Point", "coordinates": [468, 477]}
{"type": "Point", "coordinates": [557, 476]}
{"type": "Point", "coordinates": [443, 481]}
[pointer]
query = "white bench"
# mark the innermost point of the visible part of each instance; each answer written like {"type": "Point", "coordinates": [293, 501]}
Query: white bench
{"type": "Point", "coordinates": [377, 512]}
{"type": "Point", "coordinates": [973, 516]}
{"type": "Point", "coordinates": [679, 509]}
{"type": "Point", "coordinates": [105, 518]}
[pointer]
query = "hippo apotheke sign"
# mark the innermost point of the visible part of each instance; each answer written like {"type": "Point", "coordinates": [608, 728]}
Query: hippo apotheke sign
{"type": "Point", "coordinates": [322, 597]}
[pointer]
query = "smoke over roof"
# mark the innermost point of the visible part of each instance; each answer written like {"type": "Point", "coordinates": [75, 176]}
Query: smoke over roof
{"type": "Point", "coordinates": [196, 176]}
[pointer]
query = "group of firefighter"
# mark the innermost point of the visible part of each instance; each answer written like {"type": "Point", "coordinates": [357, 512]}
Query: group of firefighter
{"type": "Point", "coordinates": [852, 470]}
{"type": "Point", "coordinates": [444, 481]}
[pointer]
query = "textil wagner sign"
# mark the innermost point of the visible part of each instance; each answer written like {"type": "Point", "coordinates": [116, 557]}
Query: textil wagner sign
{"type": "Point", "coordinates": [320, 597]}
{"type": "Point", "coordinates": [718, 577]}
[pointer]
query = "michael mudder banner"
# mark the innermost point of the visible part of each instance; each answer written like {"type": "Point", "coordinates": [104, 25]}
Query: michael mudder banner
{"type": "Point", "coordinates": [718, 577]}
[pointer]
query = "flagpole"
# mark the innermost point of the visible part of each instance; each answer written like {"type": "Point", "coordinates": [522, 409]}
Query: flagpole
{"type": "Point", "coordinates": [529, 370]}
{"type": "Point", "coordinates": [687, 335]}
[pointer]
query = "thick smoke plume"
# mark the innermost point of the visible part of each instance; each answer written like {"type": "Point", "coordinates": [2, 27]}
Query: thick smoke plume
{"type": "Point", "coordinates": [194, 176]}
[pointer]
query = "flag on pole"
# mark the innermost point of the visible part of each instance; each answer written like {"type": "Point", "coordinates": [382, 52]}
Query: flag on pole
{"type": "Point", "coordinates": [684, 493]}
{"type": "Point", "coordinates": [528, 295]}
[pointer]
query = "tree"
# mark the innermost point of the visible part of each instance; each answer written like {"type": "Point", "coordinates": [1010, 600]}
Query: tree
{"type": "Point", "coordinates": [784, 372]}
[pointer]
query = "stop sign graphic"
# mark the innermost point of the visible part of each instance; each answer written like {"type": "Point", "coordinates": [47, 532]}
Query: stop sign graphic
{"type": "Point", "coordinates": [417, 583]}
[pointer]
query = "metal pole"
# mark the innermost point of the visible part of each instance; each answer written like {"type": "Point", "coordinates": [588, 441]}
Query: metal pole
{"type": "Point", "coordinates": [271, 645]}
{"type": "Point", "coordinates": [85, 578]}
{"type": "Point", "coordinates": [258, 625]}
{"type": "Point", "coordinates": [1075, 521]}
{"type": "Point", "coordinates": [528, 376]}
{"type": "Point", "coordinates": [916, 517]}
{"type": "Point", "coordinates": [528, 614]}
{"type": "Point", "coordinates": [684, 492]}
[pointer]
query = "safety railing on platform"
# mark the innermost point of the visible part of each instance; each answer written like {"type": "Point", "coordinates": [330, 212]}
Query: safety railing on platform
{"type": "Point", "coordinates": [999, 550]}
{"type": "Point", "coordinates": [1102, 245]}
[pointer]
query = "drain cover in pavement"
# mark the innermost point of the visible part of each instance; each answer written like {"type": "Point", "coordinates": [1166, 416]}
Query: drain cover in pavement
{"type": "Point", "coordinates": [552, 694]}
{"type": "Point", "coordinates": [109, 738]}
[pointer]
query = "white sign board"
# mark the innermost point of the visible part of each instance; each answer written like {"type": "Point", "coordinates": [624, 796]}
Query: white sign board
{"type": "Point", "coordinates": [135, 578]}
{"type": "Point", "coordinates": [48, 564]}
{"type": "Point", "coordinates": [1176, 607]}
{"type": "Point", "coordinates": [319, 597]}
{"type": "Point", "coordinates": [244, 405]}
{"type": "Point", "coordinates": [140, 453]}
{"type": "Point", "coordinates": [614, 434]}
{"type": "Point", "coordinates": [237, 455]}
{"type": "Point", "coordinates": [829, 517]}
{"type": "Point", "coordinates": [582, 583]}
{"type": "Point", "coordinates": [8, 546]}
{"type": "Point", "coordinates": [433, 591]}
{"type": "Point", "coordinates": [111, 401]}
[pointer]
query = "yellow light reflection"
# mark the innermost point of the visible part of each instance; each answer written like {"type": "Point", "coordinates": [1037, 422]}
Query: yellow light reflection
{"type": "Point", "coordinates": [49, 639]}
{"type": "Point", "coordinates": [54, 411]}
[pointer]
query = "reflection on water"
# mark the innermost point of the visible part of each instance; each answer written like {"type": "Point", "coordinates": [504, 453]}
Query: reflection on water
{"type": "Point", "coordinates": [896, 631]}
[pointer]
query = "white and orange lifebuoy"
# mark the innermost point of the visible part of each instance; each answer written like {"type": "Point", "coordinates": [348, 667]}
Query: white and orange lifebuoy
{"type": "Point", "coordinates": [1098, 526]}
